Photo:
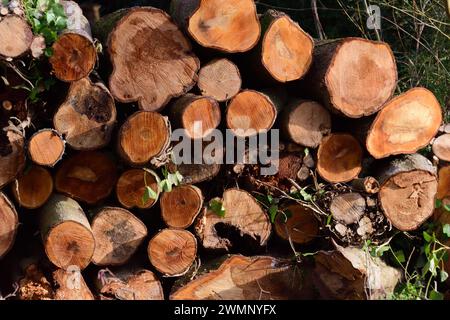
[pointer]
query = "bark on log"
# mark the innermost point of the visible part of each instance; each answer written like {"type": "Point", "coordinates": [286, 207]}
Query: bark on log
{"type": "Point", "coordinates": [408, 189]}
{"type": "Point", "coordinates": [74, 54]}
{"type": "Point", "coordinates": [348, 208]}
{"type": "Point", "coordinates": [46, 147]}
{"type": "Point", "coordinates": [8, 226]}
{"type": "Point", "coordinates": [441, 147]}
{"type": "Point", "coordinates": [88, 176]}
{"type": "Point", "coordinates": [180, 207]}
{"type": "Point", "coordinates": [305, 122]}
{"type": "Point", "coordinates": [228, 26]}
{"type": "Point", "coordinates": [299, 224]}
{"type": "Point", "coordinates": [444, 183]}
{"type": "Point", "coordinates": [118, 234]}
{"type": "Point", "coordinates": [66, 233]}
{"type": "Point", "coordinates": [367, 184]}
{"type": "Point", "coordinates": [71, 286]}
{"type": "Point", "coordinates": [33, 188]}
{"type": "Point", "coordinates": [352, 76]}
{"type": "Point", "coordinates": [87, 117]}
{"type": "Point", "coordinates": [196, 114]}
{"type": "Point", "coordinates": [143, 72]}
{"type": "Point", "coordinates": [243, 216]}
{"type": "Point", "coordinates": [131, 185]}
{"type": "Point", "coordinates": [172, 251]}
{"type": "Point", "coordinates": [220, 79]}
{"type": "Point", "coordinates": [16, 36]}
{"type": "Point", "coordinates": [339, 158]}
{"type": "Point", "coordinates": [406, 124]}
{"type": "Point", "coordinates": [12, 156]}
{"type": "Point", "coordinates": [196, 173]}
{"type": "Point", "coordinates": [143, 138]}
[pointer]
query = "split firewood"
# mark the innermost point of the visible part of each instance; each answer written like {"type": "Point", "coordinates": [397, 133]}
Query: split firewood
{"type": "Point", "coordinates": [220, 79]}
{"type": "Point", "coordinates": [87, 176]}
{"type": "Point", "coordinates": [131, 185]}
{"type": "Point", "coordinates": [348, 208]}
{"type": "Point", "coordinates": [408, 186]}
{"type": "Point", "coordinates": [74, 54]}
{"type": "Point", "coordinates": [339, 158]}
{"type": "Point", "coordinates": [228, 26]}
{"type": "Point", "coordinates": [143, 138]}
{"type": "Point", "coordinates": [244, 218]}
{"type": "Point", "coordinates": [297, 224]}
{"type": "Point", "coordinates": [70, 285]}
{"type": "Point", "coordinates": [172, 251]}
{"type": "Point", "coordinates": [12, 156]}
{"type": "Point", "coordinates": [46, 147]}
{"type": "Point", "coordinates": [406, 124]}
{"type": "Point", "coordinates": [180, 207]}
{"type": "Point", "coordinates": [87, 117]}
{"type": "Point", "coordinates": [441, 147]}
{"type": "Point", "coordinates": [8, 226]}
{"type": "Point", "coordinates": [352, 76]}
{"type": "Point", "coordinates": [33, 188]}
{"type": "Point", "coordinates": [17, 36]}
{"type": "Point", "coordinates": [66, 233]}
{"type": "Point", "coordinates": [143, 72]}
{"type": "Point", "coordinates": [367, 184]}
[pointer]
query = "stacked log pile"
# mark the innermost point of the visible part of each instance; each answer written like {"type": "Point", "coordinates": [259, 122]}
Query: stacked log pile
{"type": "Point", "coordinates": [89, 174]}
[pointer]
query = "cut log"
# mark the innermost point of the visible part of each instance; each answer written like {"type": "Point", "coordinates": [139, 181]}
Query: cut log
{"type": "Point", "coordinates": [172, 251]}
{"type": "Point", "coordinates": [250, 112]}
{"type": "Point", "coordinates": [444, 183]}
{"type": "Point", "coordinates": [305, 122]}
{"type": "Point", "coordinates": [339, 158]}
{"type": "Point", "coordinates": [71, 286]}
{"type": "Point", "coordinates": [196, 173]}
{"type": "Point", "coordinates": [12, 156]}
{"type": "Point", "coordinates": [8, 226]}
{"type": "Point", "coordinates": [74, 54]}
{"type": "Point", "coordinates": [34, 285]}
{"type": "Point", "coordinates": [245, 278]}
{"type": "Point", "coordinates": [220, 79]}
{"type": "Point", "coordinates": [441, 147]}
{"type": "Point", "coordinates": [285, 49]}
{"type": "Point", "coordinates": [33, 188]}
{"type": "Point", "coordinates": [16, 36]}
{"type": "Point", "coordinates": [180, 207]}
{"type": "Point", "coordinates": [140, 285]}
{"type": "Point", "coordinates": [118, 234]}
{"type": "Point", "coordinates": [131, 185]}
{"type": "Point", "coordinates": [352, 76]}
{"type": "Point", "coordinates": [66, 233]}
{"type": "Point", "coordinates": [348, 208]}
{"type": "Point", "coordinates": [143, 138]}
{"type": "Point", "coordinates": [46, 147]}
{"type": "Point", "coordinates": [406, 124]}
{"type": "Point", "coordinates": [408, 189]}
{"type": "Point", "coordinates": [87, 117]}
{"type": "Point", "coordinates": [196, 114]}
{"type": "Point", "coordinates": [299, 224]}
{"type": "Point", "coordinates": [88, 176]}
{"type": "Point", "coordinates": [229, 26]}
{"type": "Point", "coordinates": [244, 221]}
{"type": "Point", "coordinates": [366, 184]}
{"type": "Point", "coordinates": [149, 74]}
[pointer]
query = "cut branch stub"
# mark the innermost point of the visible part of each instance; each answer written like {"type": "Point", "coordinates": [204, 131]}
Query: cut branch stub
{"type": "Point", "coordinates": [441, 147]}
{"type": "Point", "coordinates": [148, 73]}
{"type": "Point", "coordinates": [406, 124]}
{"type": "Point", "coordinates": [444, 183]}
{"type": "Point", "coordinates": [348, 208]}
{"type": "Point", "coordinates": [305, 122]}
{"type": "Point", "coordinates": [88, 176]}
{"type": "Point", "coordinates": [299, 224]}
{"type": "Point", "coordinates": [408, 189]}
{"type": "Point", "coordinates": [180, 207]}
{"type": "Point", "coordinates": [143, 137]}
{"type": "Point", "coordinates": [33, 188]}
{"type": "Point", "coordinates": [242, 213]}
{"type": "Point", "coordinates": [66, 233]}
{"type": "Point", "coordinates": [46, 147]}
{"type": "Point", "coordinates": [16, 36]}
{"type": "Point", "coordinates": [12, 156]}
{"type": "Point", "coordinates": [87, 117]}
{"type": "Point", "coordinates": [220, 79]}
{"type": "Point", "coordinates": [131, 185]}
{"type": "Point", "coordinates": [352, 76]}
{"type": "Point", "coordinates": [8, 226]}
{"type": "Point", "coordinates": [172, 251]}
{"type": "Point", "coordinates": [118, 234]}
{"type": "Point", "coordinates": [286, 49]}
{"type": "Point", "coordinates": [339, 158]}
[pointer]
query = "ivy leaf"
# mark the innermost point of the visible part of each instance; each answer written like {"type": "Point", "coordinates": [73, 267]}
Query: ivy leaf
{"type": "Point", "coordinates": [149, 193]}
{"type": "Point", "coordinates": [306, 196]}
{"type": "Point", "coordinates": [379, 251]}
{"type": "Point", "coordinates": [329, 219]}
{"type": "Point", "coordinates": [438, 203]}
{"type": "Point", "coordinates": [217, 207]}
{"type": "Point", "coordinates": [446, 230]}
{"type": "Point", "coordinates": [435, 295]}
{"type": "Point", "coordinates": [400, 256]}
{"type": "Point", "coordinates": [427, 236]}
{"type": "Point", "coordinates": [443, 276]}
{"type": "Point", "coordinates": [273, 212]}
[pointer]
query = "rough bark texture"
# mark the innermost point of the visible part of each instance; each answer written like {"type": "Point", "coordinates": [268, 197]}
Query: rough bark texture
{"type": "Point", "coordinates": [299, 224]}
{"type": "Point", "coordinates": [8, 226]}
{"type": "Point", "coordinates": [16, 36]}
{"type": "Point", "coordinates": [12, 156]}
{"type": "Point", "coordinates": [71, 286]}
{"type": "Point", "coordinates": [196, 173]}
{"type": "Point", "coordinates": [46, 147]}
{"type": "Point", "coordinates": [87, 117]}
{"type": "Point", "coordinates": [131, 185]}
{"type": "Point", "coordinates": [33, 188]}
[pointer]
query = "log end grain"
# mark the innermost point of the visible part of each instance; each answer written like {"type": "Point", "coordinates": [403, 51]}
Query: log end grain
{"type": "Point", "coordinates": [16, 36]}
{"type": "Point", "coordinates": [348, 208]}
{"type": "Point", "coordinates": [441, 147]}
{"type": "Point", "coordinates": [46, 147]}
{"type": "Point", "coordinates": [180, 207]}
{"type": "Point", "coordinates": [300, 224]}
{"type": "Point", "coordinates": [444, 183]}
{"type": "Point", "coordinates": [12, 156]}
{"type": "Point", "coordinates": [33, 188]}
{"type": "Point", "coordinates": [71, 286]}
{"type": "Point", "coordinates": [8, 226]}
{"type": "Point", "coordinates": [130, 188]}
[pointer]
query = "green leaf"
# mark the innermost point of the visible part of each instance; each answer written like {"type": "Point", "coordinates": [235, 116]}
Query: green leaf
{"type": "Point", "coordinates": [443, 276]}
{"type": "Point", "coordinates": [149, 193]}
{"type": "Point", "coordinates": [306, 196]}
{"type": "Point", "coordinates": [400, 256]}
{"type": "Point", "coordinates": [329, 219]}
{"type": "Point", "coordinates": [438, 203]}
{"type": "Point", "coordinates": [306, 152]}
{"type": "Point", "coordinates": [217, 207]}
{"type": "Point", "coordinates": [446, 230]}
{"type": "Point", "coordinates": [427, 236]}
{"type": "Point", "coordinates": [269, 199]}
{"type": "Point", "coordinates": [435, 295]}
{"type": "Point", "coordinates": [379, 251]}
{"type": "Point", "coordinates": [447, 207]}
{"type": "Point", "coordinates": [273, 210]}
